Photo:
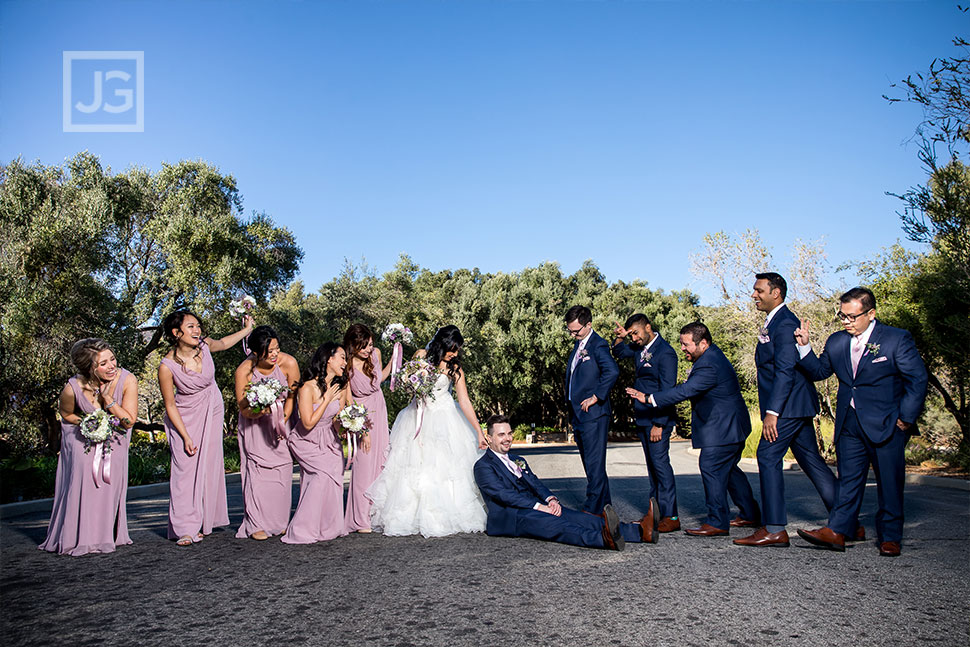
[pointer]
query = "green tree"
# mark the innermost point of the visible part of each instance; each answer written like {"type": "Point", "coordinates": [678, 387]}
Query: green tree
{"type": "Point", "coordinates": [89, 253]}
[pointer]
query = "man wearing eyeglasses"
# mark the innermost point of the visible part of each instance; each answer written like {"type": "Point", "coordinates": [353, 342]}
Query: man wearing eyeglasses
{"type": "Point", "coordinates": [590, 374]}
{"type": "Point", "coordinates": [882, 386]}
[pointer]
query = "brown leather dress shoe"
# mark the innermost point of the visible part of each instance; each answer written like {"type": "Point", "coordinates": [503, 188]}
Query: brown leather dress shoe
{"type": "Point", "coordinates": [668, 524]}
{"type": "Point", "coordinates": [889, 549]}
{"type": "Point", "coordinates": [612, 539]}
{"type": "Point", "coordinates": [860, 534]}
{"type": "Point", "coordinates": [649, 523]}
{"type": "Point", "coordinates": [824, 537]}
{"type": "Point", "coordinates": [738, 522]}
{"type": "Point", "coordinates": [706, 530]}
{"type": "Point", "coordinates": [762, 537]}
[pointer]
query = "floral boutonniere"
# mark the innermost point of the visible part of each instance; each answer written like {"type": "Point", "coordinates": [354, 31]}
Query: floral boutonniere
{"type": "Point", "coordinates": [763, 337]}
{"type": "Point", "coordinates": [583, 355]}
{"type": "Point", "coordinates": [873, 349]}
{"type": "Point", "coordinates": [521, 464]}
{"type": "Point", "coordinates": [646, 356]}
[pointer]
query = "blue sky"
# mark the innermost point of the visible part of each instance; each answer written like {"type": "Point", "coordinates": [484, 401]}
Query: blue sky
{"type": "Point", "coordinates": [499, 135]}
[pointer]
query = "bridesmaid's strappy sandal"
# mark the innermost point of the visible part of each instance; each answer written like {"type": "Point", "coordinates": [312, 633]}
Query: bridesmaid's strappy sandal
{"type": "Point", "coordinates": [184, 540]}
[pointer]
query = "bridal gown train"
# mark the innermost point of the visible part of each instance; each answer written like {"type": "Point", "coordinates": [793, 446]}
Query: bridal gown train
{"type": "Point", "coordinates": [428, 485]}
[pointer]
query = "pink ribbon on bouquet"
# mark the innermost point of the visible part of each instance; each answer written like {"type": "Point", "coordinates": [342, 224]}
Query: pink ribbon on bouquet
{"type": "Point", "coordinates": [101, 467]}
{"type": "Point", "coordinates": [420, 415]}
{"type": "Point", "coordinates": [278, 424]}
{"type": "Point", "coordinates": [245, 346]}
{"type": "Point", "coordinates": [397, 360]}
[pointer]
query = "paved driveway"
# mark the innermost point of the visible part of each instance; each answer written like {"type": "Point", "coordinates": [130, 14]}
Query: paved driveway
{"type": "Point", "coordinates": [481, 591]}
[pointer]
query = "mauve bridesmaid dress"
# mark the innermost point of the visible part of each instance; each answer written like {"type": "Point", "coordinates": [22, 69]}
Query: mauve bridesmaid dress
{"type": "Point", "coordinates": [367, 466]}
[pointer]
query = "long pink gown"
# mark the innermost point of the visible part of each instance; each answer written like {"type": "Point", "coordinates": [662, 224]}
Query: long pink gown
{"type": "Point", "coordinates": [197, 484]}
{"type": "Point", "coordinates": [367, 466]}
{"type": "Point", "coordinates": [266, 468]}
{"type": "Point", "coordinates": [89, 515]}
{"type": "Point", "coordinates": [319, 513]}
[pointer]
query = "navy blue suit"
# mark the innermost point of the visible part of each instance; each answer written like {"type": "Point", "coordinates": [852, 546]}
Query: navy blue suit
{"type": "Point", "coordinates": [719, 426]}
{"type": "Point", "coordinates": [595, 374]}
{"type": "Point", "coordinates": [511, 504]}
{"type": "Point", "coordinates": [655, 373]}
{"type": "Point", "coordinates": [786, 389]}
{"type": "Point", "coordinates": [890, 384]}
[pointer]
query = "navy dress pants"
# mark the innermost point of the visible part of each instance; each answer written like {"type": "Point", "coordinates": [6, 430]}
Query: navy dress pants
{"type": "Point", "coordinates": [663, 487]}
{"type": "Point", "coordinates": [591, 441]}
{"type": "Point", "coordinates": [722, 476]}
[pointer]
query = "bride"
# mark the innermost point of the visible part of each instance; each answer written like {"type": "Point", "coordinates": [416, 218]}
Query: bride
{"type": "Point", "coordinates": [428, 485]}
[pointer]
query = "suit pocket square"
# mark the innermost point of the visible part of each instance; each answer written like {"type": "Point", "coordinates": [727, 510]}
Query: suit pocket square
{"type": "Point", "coordinates": [880, 359]}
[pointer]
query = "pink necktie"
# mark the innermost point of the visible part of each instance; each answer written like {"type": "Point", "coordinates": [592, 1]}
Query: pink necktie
{"type": "Point", "coordinates": [515, 468]}
{"type": "Point", "coordinates": [857, 348]}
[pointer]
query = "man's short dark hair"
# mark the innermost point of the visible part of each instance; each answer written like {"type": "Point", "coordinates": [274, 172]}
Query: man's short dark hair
{"type": "Point", "coordinates": [637, 320]}
{"type": "Point", "coordinates": [775, 280]}
{"type": "Point", "coordinates": [495, 419]}
{"type": "Point", "coordinates": [864, 296]}
{"type": "Point", "coordinates": [580, 314]}
{"type": "Point", "coordinates": [697, 332]}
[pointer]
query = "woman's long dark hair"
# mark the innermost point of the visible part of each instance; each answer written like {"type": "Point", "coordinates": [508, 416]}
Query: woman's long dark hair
{"type": "Point", "coordinates": [317, 368]}
{"type": "Point", "coordinates": [447, 339]}
{"type": "Point", "coordinates": [355, 339]}
{"type": "Point", "coordinates": [174, 321]}
{"type": "Point", "coordinates": [260, 339]}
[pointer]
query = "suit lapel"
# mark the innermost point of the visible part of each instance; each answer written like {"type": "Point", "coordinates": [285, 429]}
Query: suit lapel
{"type": "Point", "coordinates": [500, 466]}
{"type": "Point", "coordinates": [867, 355]}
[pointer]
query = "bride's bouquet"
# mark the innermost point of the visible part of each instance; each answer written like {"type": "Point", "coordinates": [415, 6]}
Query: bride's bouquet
{"type": "Point", "coordinates": [353, 418]}
{"type": "Point", "coordinates": [242, 306]}
{"type": "Point", "coordinates": [417, 378]}
{"type": "Point", "coordinates": [263, 394]}
{"type": "Point", "coordinates": [98, 427]}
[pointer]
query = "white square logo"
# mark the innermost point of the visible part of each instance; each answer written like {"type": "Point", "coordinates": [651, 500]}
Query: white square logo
{"type": "Point", "coordinates": [104, 92]}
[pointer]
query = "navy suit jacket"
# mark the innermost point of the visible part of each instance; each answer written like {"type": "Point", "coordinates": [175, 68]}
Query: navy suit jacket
{"type": "Point", "coordinates": [505, 494]}
{"type": "Point", "coordinates": [595, 374]}
{"type": "Point", "coordinates": [890, 384]}
{"type": "Point", "coordinates": [783, 387]}
{"type": "Point", "coordinates": [657, 374]}
{"type": "Point", "coordinates": [718, 413]}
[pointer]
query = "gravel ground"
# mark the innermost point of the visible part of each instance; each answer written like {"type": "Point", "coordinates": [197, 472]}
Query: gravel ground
{"type": "Point", "coordinates": [482, 591]}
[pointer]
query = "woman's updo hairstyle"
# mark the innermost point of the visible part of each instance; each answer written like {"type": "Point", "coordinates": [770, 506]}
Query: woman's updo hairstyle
{"type": "Point", "coordinates": [260, 339]}
{"type": "Point", "coordinates": [174, 321]}
{"type": "Point", "coordinates": [84, 352]}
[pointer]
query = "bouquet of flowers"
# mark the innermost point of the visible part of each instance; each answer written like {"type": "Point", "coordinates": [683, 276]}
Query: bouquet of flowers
{"type": "Point", "coordinates": [263, 394]}
{"type": "Point", "coordinates": [417, 378]}
{"type": "Point", "coordinates": [353, 418]}
{"type": "Point", "coordinates": [242, 306]}
{"type": "Point", "coordinates": [98, 427]}
{"type": "Point", "coordinates": [396, 333]}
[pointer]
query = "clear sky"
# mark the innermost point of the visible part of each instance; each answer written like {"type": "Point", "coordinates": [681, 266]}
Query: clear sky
{"type": "Point", "coordinates": [499, 135]}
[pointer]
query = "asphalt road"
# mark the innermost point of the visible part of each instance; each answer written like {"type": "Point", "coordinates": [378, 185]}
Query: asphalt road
{"type": "Point", "coordinates": [482, 591]}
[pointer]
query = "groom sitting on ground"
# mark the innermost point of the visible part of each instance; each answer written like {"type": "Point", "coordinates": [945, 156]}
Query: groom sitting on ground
{"type": "Point", "coordinates": [519, 505]}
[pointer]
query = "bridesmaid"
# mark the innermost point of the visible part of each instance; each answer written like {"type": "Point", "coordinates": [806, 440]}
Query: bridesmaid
{"type": "Point", "coordinates": [366, 376]}
{"type": "Point", "coordinates": [194, 420]}
{"type": "Point", "coordinates": [316, 445]}
{"type": "Point", "coordinates": [89, 514]}
{"type": "Point", "coordinates": [266, 464]}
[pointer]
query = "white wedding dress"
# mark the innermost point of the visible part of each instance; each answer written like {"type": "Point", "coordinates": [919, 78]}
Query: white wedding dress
{"type": "Point", "coordinates": [428, 485]}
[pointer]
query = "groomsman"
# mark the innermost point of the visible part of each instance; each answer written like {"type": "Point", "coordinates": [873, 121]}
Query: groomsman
{"type": "Point", "coordinates": [519, 505]}
{"type": "Point", "coordinates": [590, 374]}
{"type": "Point", "coordinates": [719, 426]}
{"type": "Point", "coordinates": [655, 366]}
{"type": "Point", "coordinates": [882, 386]}
{"type": "Point", "coordinates": [789, 403]}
